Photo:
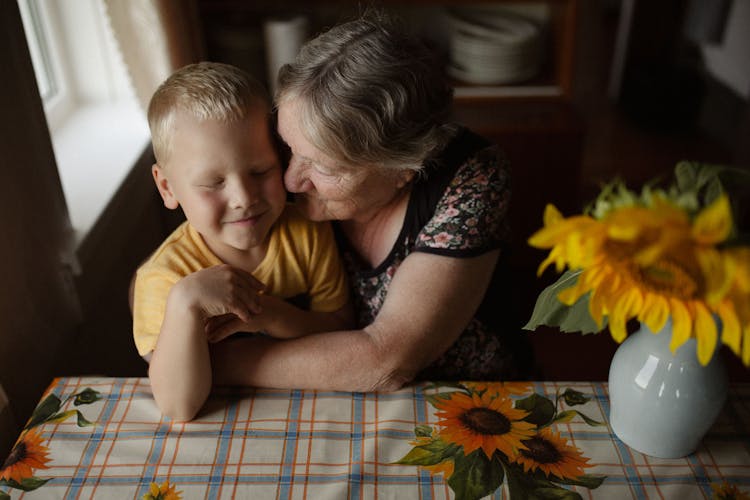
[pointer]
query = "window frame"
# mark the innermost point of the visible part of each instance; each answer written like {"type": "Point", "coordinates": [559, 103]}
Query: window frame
{"type": "Point", "coordinates": [48, 54]}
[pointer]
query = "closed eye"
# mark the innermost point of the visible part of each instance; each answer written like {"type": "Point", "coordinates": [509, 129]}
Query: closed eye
{"type": "Point", "coordinates": [213, 184]}
{"type": "Point", "coordinates": [263, 171]}
{"type": "Point", "coordinates": [322, 170]}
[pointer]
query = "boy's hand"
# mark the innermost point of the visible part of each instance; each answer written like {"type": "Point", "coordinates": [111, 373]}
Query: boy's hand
{"type": "Point", "coordinates": [220, 327]}
{"type": "Point", "coordinates": [274, 308]}
{"type": "Point", "coordinates": [218, 291]}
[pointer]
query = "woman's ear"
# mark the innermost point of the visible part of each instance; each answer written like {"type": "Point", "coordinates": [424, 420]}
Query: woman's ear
{"type": "Point", "coordinates": [165, 190]}
{"type": "Point", "coordinates": [404, 178]}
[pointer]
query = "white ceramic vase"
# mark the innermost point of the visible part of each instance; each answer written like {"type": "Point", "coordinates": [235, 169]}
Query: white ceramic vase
{"type": "Point", "coordinates": [662, 404]}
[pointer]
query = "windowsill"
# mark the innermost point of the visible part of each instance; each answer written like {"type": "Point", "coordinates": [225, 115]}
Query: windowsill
{"type": "Point", "coordinates": [95, 149]}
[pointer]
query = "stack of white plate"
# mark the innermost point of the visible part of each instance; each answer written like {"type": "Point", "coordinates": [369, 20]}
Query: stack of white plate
{"type": "Point", "coordinates": [492, 47]}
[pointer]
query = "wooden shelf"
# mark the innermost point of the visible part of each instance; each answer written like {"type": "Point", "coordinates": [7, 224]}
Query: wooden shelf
{"type": "Point", "coordinates": [233, 33]}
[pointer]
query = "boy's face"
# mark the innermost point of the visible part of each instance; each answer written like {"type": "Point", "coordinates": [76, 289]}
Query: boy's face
{"type": "Point", "coordinates": [227, 179]}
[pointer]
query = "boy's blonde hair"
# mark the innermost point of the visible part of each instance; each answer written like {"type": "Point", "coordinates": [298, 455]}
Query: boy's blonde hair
{"type": "Point", "coordinates": [207, 91]}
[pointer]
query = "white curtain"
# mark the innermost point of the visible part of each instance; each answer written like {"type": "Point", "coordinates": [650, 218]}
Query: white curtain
{"type": "Point", "coordinates": [142, 39]}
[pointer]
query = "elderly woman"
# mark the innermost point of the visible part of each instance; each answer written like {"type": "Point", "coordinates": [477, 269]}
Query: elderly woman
{"type": "Point", "coordinates": [419, 208]}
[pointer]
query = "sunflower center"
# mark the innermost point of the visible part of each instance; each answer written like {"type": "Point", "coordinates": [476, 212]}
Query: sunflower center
{"type": "Point", "coordinates": [669, 278]}
{"type": "Point", "coordinates": [486, 421]}
{"type": "Point", "coordinates": [17, 454]}
{"type": "Point", "coordinates": [541, 451]}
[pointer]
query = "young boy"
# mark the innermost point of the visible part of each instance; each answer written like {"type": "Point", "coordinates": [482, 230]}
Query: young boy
{"type": "Point", "coordinates": [242, 250]}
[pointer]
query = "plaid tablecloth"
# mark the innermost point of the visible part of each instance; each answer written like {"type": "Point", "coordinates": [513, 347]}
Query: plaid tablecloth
{"type": "Point", "coordinates": [279, 444]}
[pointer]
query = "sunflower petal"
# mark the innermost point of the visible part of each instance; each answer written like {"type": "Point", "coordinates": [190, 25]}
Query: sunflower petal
{"type": "Point", "coordinates": [730, 326]}
{"type": "Point", "coordinates": [705, 332]}
{"type": "Point", "coordinates": [596, 308]}
{"type": "Point", "coordinates": [714, 223]}
{"type": "Point", "coordinates": [570, 296]}
{"type": "Point", "coordinates": [682, 324]}
{"type": "Point", "coordinates": [656, 313]}
{"type": "Point", "coordinates": [555, 255]}
{"type": "Point", "coordinates": [617, 325]}
{"type": "Point", "coordinates": [551, 215]}
{"type": "Point", "coordinates": [718, 272]}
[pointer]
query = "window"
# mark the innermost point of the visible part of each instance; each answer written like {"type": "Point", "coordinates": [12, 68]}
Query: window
{"type": "Point", "coordinates": [97, 126]}
{"type": "Point", "coordinates": [41, 33]}
{"type": "Point", "coordinates": [39, 48]}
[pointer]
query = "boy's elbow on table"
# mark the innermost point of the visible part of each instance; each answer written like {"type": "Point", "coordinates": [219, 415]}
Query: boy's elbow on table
{"type": "Point", "coordinates": [180, 413]}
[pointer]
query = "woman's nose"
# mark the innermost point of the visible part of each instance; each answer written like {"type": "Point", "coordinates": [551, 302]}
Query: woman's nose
{"type": "Point", "coordinates": [295, 179]}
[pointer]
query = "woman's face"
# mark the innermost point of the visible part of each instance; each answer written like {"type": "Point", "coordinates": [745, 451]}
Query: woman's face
{"type": "Point", "coordinates": [326, 189]}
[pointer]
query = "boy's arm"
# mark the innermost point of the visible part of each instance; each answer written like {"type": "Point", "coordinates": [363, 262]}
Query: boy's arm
{"type": "Point", "coordinates": [280, 319]}
{"type": "Point", "coordinates": [180, 368]}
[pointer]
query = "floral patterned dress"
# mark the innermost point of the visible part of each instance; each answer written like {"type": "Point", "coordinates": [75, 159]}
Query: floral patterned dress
{"type": "Point", "coordinates": [457, 208]}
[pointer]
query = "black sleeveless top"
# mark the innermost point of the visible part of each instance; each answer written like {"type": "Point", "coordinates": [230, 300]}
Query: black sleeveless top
{"type": "Point", "coordinates": [457, 208]}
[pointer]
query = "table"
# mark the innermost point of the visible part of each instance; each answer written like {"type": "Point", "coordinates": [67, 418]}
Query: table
{"type": "Point", "coordinates": [263, 443]}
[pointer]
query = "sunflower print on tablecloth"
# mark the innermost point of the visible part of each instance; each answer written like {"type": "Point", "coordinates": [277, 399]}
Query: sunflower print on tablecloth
{"type": "Point", "coordinates": [488, 434]}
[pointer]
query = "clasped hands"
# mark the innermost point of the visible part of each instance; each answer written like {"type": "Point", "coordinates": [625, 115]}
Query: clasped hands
{"type": "Point", "coordinates": [227, 300]}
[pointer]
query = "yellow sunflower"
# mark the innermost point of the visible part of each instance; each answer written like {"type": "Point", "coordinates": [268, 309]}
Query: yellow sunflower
{"type": "Point", "coordinates": [653, 263]}
{"type": "Point", "coordinates": [486, 422]}
{"type": "Point", "coordinates": [164, 492]}
{"type": "Point", "coordinates": [551, 453]}
{"type": "Point", "coordinates": [726, 491]}
{"type": "Point", "coordinates": [737, 336]}
{"type": "Point", "coordinates": [27, 454]}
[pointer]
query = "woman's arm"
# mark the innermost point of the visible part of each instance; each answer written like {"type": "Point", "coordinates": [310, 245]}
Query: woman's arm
{"type": "Point", "coordinates": [430, 301]}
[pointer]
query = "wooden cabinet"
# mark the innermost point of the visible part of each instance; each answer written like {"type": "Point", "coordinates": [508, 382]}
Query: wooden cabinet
{"type": "Point", "coordinates": [233, 32]}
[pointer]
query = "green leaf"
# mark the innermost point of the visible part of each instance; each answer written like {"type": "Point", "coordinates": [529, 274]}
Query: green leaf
{"type": "Point", "coordinates": [587, 481]}
{"type": "Point", "coordinates": [423, 431]}
{"type": "Point", "coordinates": [61, 417]}
{"type": "Point", "coordinates": [589, 420]}
{"type": "Point", "coordinates": [86, 397]}
{"type": "Point", "coordinates": [4, 496]}
{"type": "Point", "coordinates": [693, 176]}
{"type": "Point", "coordinates": [44, 411]}
{"type": "Point", "coordinates": [431, 453]}
{"type": "Point", "coordinates": [686, 175]}
{"type": "Point", "coordinates": [575, 398]}
{"type": "Point", "coordinates": [541, 410]}
{"type": "Point", "coordinates": [555, 493]}
{"type": "Point", "coordinates": [516, 486]}
{"type": "Point", "coordinates": [83, 422]}
{"type": "Point", "coordinates": [564, 416]}
{"type": "Point", "coordinates": [549, 311]}
{"type": "Point", "coordinates": [475, 476]}
{"type": "Point", "coordinates": [27, 484]}
{"type": "Point", "coordinates": [421, 456]}
{"type": "Point", "coordinates": [537, 486]}
{"type": "Point", "coordinates": [435, 398]}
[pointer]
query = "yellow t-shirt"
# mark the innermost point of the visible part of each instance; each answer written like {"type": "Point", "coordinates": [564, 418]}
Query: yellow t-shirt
{"type": "Point", "coordinates": [302, 259]}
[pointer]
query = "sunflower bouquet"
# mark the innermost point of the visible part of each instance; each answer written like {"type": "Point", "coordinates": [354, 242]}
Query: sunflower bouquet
{"type": "Point", "coordinates": [664, 253]}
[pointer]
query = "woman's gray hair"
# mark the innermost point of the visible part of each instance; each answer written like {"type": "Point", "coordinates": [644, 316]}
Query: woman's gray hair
{"type": "Point", "coordinates": [369, 93]}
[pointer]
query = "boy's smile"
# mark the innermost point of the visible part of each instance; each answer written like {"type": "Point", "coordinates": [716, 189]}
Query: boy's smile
{"type": "Point", "coordinates": [227, 179]}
